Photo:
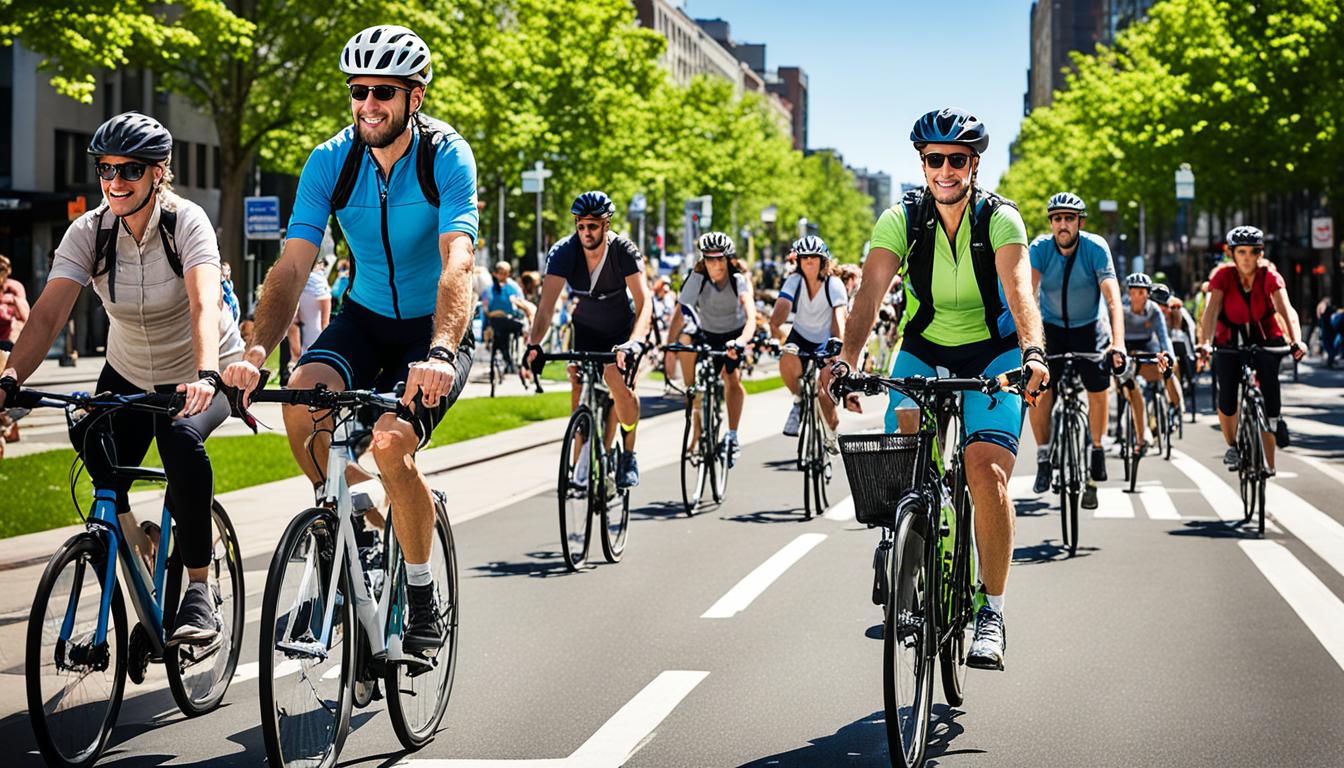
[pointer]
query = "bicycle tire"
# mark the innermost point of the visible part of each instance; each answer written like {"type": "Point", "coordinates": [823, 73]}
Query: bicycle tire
{"type": "Point", "coordinates": [1132, 475]}
{"type": "Point", "coordinates": [311, 537]}
{"type": "Point", "coordinates": [225, 552]}
{"type": "Point", "coordinates": [615, 522]}
{"type": "Point", "coordinates": [1123, 436]}
{"type": "Point", "coordinates": [957, 588]}
{"type": "Point", "coordinates": [1059, 455]}
{"type": "Point", "coordinates": [52, 732]}
{"type": "Point", "coordinates": [576, 510]}
{"type": "Point", "coordinates": [416, 719]}
{"type": "Point", "coordinates": [1073, 480]}
{"type": "Point", "coordinates": [693, 464]}
{"type": "Point", "coordinates": [1164, 423]}
{"type": "Point", "coordinates": [907, 642]}
{"type": "Point", "coordinates": [718, 468]}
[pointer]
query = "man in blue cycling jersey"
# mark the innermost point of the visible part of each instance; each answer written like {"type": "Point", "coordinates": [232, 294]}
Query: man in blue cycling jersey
{"type": "Point", "coordinates": [505, 312]}
{"type": "Point", "coordinates": [1071, 271]}
{"type": "Point", "coordinates": [403, 188]}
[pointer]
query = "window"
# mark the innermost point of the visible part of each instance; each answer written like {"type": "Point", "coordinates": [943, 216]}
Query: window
{"type": "Point", "coordinates": [200, 165]}
{"type": "Point", "coordinates": [215, 168]}
{"type": "Point", "coordinates": [181, 163]}
{"type": "Point", "coordinates": [73, 166]}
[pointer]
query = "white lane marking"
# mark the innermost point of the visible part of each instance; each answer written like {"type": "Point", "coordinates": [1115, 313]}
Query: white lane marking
{"type": "Point", "coordinates": [1019, 486]}
{"type": "Point", "coordinates": [1322, 466]}
{"type": "Point", "coordinates": [251, 670]}
{"type": "Point", "coordinates": [1282, 475]}
{"type": "Point", "coordinates": [1225, 501]}
{"type": "Point", "coordinates": [749, 588]}
{"type": "Point", "coordinates": [1157, 503]}
{"type": "Point", "coordinates": [1315, 604]}
{"type": "Point", "coordinates": [1114, 503]}
{"type": "Point", "coordinates": [842, 511]}
{"type": "Point", "coordinates": [616, 741]}
{"type": "Point", "coordinates": [1313, 527]}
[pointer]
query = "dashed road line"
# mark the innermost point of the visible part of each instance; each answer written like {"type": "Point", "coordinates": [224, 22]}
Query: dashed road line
{"type": "Point", "coordinates": [749, 588]}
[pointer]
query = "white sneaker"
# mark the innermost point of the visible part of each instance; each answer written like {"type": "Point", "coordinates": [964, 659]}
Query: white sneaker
{"type": "Point", "coordinates": [581, 472]}
{"type": "Point", "coordinates": [791, 424]}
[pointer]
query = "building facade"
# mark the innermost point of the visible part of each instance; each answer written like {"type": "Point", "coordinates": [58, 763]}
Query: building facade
{"type": "Point", "coordinates": [690, 49]}
{"type": "Point", "coordinates": [1061, 27]}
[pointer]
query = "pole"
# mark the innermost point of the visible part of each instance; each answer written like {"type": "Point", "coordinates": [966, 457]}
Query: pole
{"type": "Point", "coordinates": [540, 256]}
{"type": "Point", "coordinates": [500, 238]}
{"type": "Point", "coordinates": [662, 217]}
{"type": "Point", "coordinates": [642, 217]}
{"type": "Point", "coordinates": [1143, 238]}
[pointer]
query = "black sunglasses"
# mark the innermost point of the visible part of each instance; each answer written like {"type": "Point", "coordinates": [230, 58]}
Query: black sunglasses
{"type": "Point", "coordinates": [958, 160]}
{"type": "Point", "coordinates": [380, 92]}
{"type": "Point", "coordinates": [713, 255]}
{"type": "Point", "coordinates": [128, 171]}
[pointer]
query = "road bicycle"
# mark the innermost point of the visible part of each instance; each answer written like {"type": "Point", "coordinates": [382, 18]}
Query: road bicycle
{"type": "Point", "coordinates": [79, 650]}
{"type": "Point", "coordinates": [704, 456]}
{"type": "Point", "coordinates": [1159, 425]}
{"type": "Point", "coordinates": [506, 355]}
{"type": "Point", "coordinates": [1070, 438]}
{"type": "Point", "coordinates": [813, 458]}
{"type": "Point", "coordinates": [1252, 425]}
{"type": "Point", "coordinates": [333, 616]}
{"type": "Point", "coordinates": [913, 487]}
{"type": "Point", "coordinates": [586, 487]}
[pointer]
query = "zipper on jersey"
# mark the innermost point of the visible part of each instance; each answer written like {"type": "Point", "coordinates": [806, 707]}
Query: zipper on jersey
{"type": "Point", "coordinates": [387, 244]}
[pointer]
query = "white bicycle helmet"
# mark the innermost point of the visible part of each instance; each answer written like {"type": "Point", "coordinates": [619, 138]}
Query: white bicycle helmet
{"type": "Point", "coordinates": [387, 50]}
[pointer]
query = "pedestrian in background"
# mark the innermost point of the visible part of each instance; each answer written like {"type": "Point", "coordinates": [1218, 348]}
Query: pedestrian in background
{"type": "Point", "coordinates": [13, 314]}
{"type": "Point", "coordinates": [339, 286]}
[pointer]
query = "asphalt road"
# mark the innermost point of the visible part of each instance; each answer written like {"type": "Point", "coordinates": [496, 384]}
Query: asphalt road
{"type": "Point", "coordinates": [1172, 638]}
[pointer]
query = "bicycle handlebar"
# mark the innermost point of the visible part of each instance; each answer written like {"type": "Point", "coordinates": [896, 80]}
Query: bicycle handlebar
{"type": "Point", "coordinates": [847, 381]}
{"type": "Point", "coordinates": [145, 401]}
{"type": "Point", "coordinates": [699, 349]}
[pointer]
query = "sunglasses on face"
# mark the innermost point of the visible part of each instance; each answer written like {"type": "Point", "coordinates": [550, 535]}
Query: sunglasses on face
{"type": "Point", "coordinates": [712, 256]}
{"type": "Point", "coordinates": [380, 92]}
{"type": "Point", "coordinates": [588, 227]}
{"type": "Point", "coordinates": [128, 171]}
{"type": "Point", "coordinates": [935, 160]}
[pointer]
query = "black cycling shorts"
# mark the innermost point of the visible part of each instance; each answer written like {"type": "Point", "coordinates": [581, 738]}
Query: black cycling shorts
{"type": "Point", "coordinates": [1085, 339]}
{"type": "Point", "coordinates": [804, 346]}
{"type": "Point", "coordinates": [370, 351]}
{"type": "Point", "coordinates": [719, 342]}
{"type": "Point", "coordinates": [589, 339]}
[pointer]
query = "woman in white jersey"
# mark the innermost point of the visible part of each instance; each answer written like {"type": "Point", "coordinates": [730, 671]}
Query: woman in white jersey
{"type": "Point", "coordinates": [817, 300]}
{"type": "Point", "coordinates": [160, 285]}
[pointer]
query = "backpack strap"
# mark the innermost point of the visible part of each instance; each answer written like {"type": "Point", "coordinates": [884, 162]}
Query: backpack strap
{"type": "Point", "coordinates": [431, 134]}
{"type": "Point", "coordinates": [105, 253]}
{"type": "Point", "coordinates": [982, 256]}
{"type": "Point", "coordinates": [921, 222]}
{"type": "Point", "coordinates": [168, 233]}
{"type": "Point", "coordinates": [345, 180]}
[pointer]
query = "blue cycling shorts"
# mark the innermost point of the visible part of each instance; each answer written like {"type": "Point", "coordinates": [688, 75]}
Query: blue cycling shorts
{"type": "Point", "coordinates": [1001, 426]}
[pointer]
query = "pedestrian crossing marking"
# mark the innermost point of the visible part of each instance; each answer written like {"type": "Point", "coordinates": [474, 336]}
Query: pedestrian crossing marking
{"type": "Point", "coordinates": [1309, 597]}
{"type": "Point", "coordinates": [1113, 503]}
{"type": "Point", "coordinates": [1157, 503]}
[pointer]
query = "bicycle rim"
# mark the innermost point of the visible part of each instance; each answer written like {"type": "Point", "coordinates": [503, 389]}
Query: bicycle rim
{"type": "Point", "coordinates": [1132, 466]}
{"type": "Point", "coordinates": [719, 469]}
{"type": "Point", "coordinates": [305, 698]}
{"type": "Point", "coordinates": [616, 518]}
{"type": "Point", "coordinates": [1245, 473]}
{"type": "Point", "coordinates": [956, 589]}
{"type": "Point", "coordinates": [74, 688]}
{"type": "Point", "coordinates": [908, 644]}
{"type": "Point", "coordinates": [575, 506]}
{"type": "Point", "coordinates": [1075, 481]}
{"type": "Point", "coordinates": [416, 704]}
{"type": "Point", "coordinates": [692, 464]}
{"type": "Point", "coordinates": [200, 677]}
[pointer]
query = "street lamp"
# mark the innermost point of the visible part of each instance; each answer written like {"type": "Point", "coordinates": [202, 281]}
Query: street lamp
{"type": "Point", "coordinates": [769, 215]}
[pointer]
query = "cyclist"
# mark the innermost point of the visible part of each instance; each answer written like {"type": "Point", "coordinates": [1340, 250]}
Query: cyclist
{"type": "Point", "coordinates": [1072, 271]}
{"type": "Point", "coordinates": [604, 271]}
{"type": "Point", "coordinates": [719, 290]}
{"type": "Point", "coordinates": [1180, 326]}
{"type": "Point", "coordinates": [1246, 298]}
{"type": "Point", "coordinates": [1146, 331]}
{"type": "Point", "coordinates": [408, 311]}
{"type": "Point", "coordinates": [153, 260]}
{"type": "Point", "coordinates": [818, 302]}
{"type": "Point", "coordinates": [505, 310]}
{"type": "Point", "coordinates": [974, 321]}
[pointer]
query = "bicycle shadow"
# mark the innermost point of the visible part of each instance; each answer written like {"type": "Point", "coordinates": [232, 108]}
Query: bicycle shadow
{"type": "Point", "coordinates": [1031, 508]}
{"type": "Point", "coordinates": [665, 510]}
{"type": "Point", "coordinates": [782, 465]}
{"type": "Point", "coordinates": [542, 564]}
{"type": "Point", "coordinates": [782, 515]}
{"type": "Point", "coordinates": [1216, 529]}
{"type": "Point", "coordinates": [860, 743]}
{"type": "Point", "coordinates": [1048, 551]}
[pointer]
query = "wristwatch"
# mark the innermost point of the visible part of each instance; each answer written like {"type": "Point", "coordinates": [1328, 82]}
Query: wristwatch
{"type": "Point", "coordinates": [213, 377]}
{"type": "Point", "coordinates": [439, 352]}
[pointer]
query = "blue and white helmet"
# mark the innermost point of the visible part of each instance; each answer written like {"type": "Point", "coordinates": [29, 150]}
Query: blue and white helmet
{"type": "Point", "coordinates": [387, 50]}
{"type": "Point", "coordinates": [951, 126]}
{"type": "Point", "coordinates": [1139, 280]}
{"type": "Point", "coordinates": [1066, 201]}
{"type": "Point", "coordinates": [811, 245]}
{"type": "Point", "coordinates": [1245, 236]}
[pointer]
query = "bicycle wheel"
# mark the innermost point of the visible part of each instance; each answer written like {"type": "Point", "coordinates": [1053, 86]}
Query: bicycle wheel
{"type": "Point", "coordinates": [1123, 435]}
{"type": "Point", "coordinates": [718, 467]}
{"type": "Point", "coordinates": [305, 687]}
{"type": "Point", "coordinates": [575, 507]}
{"type": "Point", "coordinates": [1072, 486]}
{"type": "Point", "coordinates": [416, 703]}
{"type": "Point", "coordinates": [1132, 466]}
{"type": "Point", "coordinates": [804, 424]}
{"type": "Point", "coordinates": [1161, 407]}
{"type": "Point", "coordinates": [74, 685]}
{"type": "Point", "coordinates": [694, 463]}
{"type": "Point", "coordinates": [907, 642]}
{"type": "Point", "coordinates": [199, 676]}
{"type": "Point", "coordinates": [615, 511]}
{"type": "Point", "coordinates": [495, 370]}
{"type": "Point", "coordinates": [957, 590]}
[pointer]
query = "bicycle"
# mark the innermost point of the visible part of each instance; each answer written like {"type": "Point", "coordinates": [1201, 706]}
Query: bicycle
{"type": "Point", "coordinates": [591, 492]}
{"type": "Point", "coordinates": [704, 458]}
{"type": "Point", "coordinates": [1128, 436]}
{"type": "Point", "coordinates": [813, 459]}
{"type": "Point", "coordinates": [317, 658]}
{"type": "Point", "coordinates": [78, 653]}
{"type": "Point", "coordinates": [1070, 437]}
{"type": "Point", "coordinates": [506, 356]}
{"type": "Point", "coordinates": [1253, 470]}
{"type": "Point", "coordinates": [924, 571]}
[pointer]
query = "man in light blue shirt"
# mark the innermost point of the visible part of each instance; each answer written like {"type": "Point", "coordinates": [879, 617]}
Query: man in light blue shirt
{"type": "Point", "coordinates": [1071, 271]}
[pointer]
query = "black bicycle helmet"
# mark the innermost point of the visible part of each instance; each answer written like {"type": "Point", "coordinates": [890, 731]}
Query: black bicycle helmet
{"type": "Point", "coordinates": [811, 245]}
{"type": "Point", "coordinates": [1066, 201]}
{"type": "Point", "coordinates": [1139, 280]}
{"type": "Point", "coordinates": [1245, 236]}
{"type": "Point", "coordinates": [951, 126]}
{"type": "Point", "coordinates": [1160, 293]}
{"type": "Point", "coordinates": [717, 242]}
{"type": "Point", "coordinates": [593, 203]}
{"type": "Point", "coordinates": [132, 134]}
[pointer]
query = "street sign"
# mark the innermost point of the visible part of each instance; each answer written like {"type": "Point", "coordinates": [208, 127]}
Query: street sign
{"type": "Point", "coordinates": [638, 205]}
{"type": "Point", "coordinates": [261, 218]}
{"type": "Point", "coordinates": [769, 214]}
{"type": "Point", "coordinates": [1107, 206]}
{"type": "Point", "coordinates": [1323, 232]}
{"type": "Point", "coordinates": [1185, 183]}
{"type": "Point", "coordinates": [534, 181]}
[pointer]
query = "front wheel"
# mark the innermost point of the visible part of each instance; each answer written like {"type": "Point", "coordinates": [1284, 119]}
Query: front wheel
{"type": "Point", "coordinates": [75, 682]}
{"type": "Point", "coordinates": [1132, 466]}
{"type": "Point", "coordinates": [716, 447]}
{"type": "Point", "coordinates": [578, 476]}
{"type": "Point", "coordinates": [908, 640]}
{"type": "Point", "coordinates": [694, 463]}
{"type": "Point", "coordinates": [615, 510]}
{"type": "Point", "coordinates": [956, 588]}
{"type": "Point", "coordinates": [198, 676]}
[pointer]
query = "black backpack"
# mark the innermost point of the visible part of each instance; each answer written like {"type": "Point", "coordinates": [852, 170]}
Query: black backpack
{"type": "Point", "coordinates": [433, 133]}
{"type": "Point", "coordinates": [921, 223]}
{"type": "Point", "coordinates": [105, 247]}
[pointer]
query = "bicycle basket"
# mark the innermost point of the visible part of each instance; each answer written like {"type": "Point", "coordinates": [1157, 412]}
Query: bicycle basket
{"type": "Point", "coordinates": [881, 469]}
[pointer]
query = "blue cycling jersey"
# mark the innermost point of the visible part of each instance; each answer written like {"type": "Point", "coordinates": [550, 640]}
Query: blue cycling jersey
{"type": "Point", "coordinates": [391, 228]}
{"type": "Point", "coordinates": [1091, 265]}
{"type": "Point", "coordinates": [499, 297]}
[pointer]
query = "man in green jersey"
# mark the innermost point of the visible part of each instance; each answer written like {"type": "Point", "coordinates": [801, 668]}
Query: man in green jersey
{"type": "Point", "coordinates": [970, 313]}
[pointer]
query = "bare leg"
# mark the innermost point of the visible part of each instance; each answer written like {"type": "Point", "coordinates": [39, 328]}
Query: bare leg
{"type": "Point", "coordinates": [1098, 414]}
{"type": "Point", "coordinates": [1040, 417]}
{"type": "Point", "coordinates": [736, 395]}
{"type": "Point", "coordinates": [300, 423]}
{"type": "Point", "coordinates": [988, 468]}
{"type": "Point", "coordinates": [627, 404]}
{"type": "Point", "coordinates": [394, 444]}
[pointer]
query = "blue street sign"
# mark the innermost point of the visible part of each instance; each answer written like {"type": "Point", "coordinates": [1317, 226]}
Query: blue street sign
{"type": "Point", "coordinates": [261, 218]}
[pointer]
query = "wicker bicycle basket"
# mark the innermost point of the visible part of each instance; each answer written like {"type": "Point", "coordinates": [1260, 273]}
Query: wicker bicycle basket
{"type": "Point", "coordinates": [881, 469]}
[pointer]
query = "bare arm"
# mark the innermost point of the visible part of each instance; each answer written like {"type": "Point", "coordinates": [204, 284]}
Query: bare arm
{"type": "Point", "coordinates": [280, 298]}
{"type": "Point", "coordinates": [44, 324]}
{"type": "Point", "coordinates": [452, 313]}
{"type": "Point", "coordinates": [1035, 284]}
{"type": "Point", "coordinates": [748, 300]}
{"type": "Point", "coordinates": [1110, 288]}
{"type": "Point", "coordinates": [1283, 307]}
{"type": "Point", "coordinates": [203, 294]}
{"type": "Point", "coordinates": [674, 328]}
{"type": "Point", "coordinates": [1208, 320]}
{"type": "Point", "coordinates": [551, 287]}
{"type": "Point", "coordinates": [1014, 270]}
{"type": "Point", "coordinates": [777, 317]}
{"type": "Point", "coordinates": [324, 305]}
{"type": "Point", "coordinates": [639, 289]}
{"type": "Point", "coordinates": [838, 322]}
{"type": "Point", "coordinates": [878, 272]}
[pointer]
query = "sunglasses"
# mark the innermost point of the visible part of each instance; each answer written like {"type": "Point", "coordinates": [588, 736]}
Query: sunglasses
{"type": "Point", "coordinates": [958, 160]}
{"type": "Point", "coordinates": [712, 256]}
{"type": "Point", "coordinates": [380, 92]}
{"type": "Point", "coordinates": [128, 171]}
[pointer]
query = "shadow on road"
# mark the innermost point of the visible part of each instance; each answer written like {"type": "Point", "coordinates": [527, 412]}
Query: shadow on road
{"type": "Point", "coordinates": [541, 565]}
{"type": "Point", "coordinates": [665, 510]}
{"type": "Point", "coordinates": [863, 743]}
{"type": "Point", "coordinates": [1048, 551]}
{"type": "Point", "coordinates": [785, 515]}
{"type": "Point", "coordinates": [1215, 529]}
{"type": "Point", "coordinates": [783, 465]}
{"type": "Point", "coordinates": [1032, 508]}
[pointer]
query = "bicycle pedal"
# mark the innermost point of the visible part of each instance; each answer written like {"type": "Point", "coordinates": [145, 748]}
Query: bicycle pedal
{"type": "Point", "coordinates": [309, 649]}
{"type": "Point", "coordinates": [418, 665]}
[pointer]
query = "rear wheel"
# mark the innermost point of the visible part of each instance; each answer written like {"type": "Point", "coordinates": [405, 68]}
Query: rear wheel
{"type": "Point", "coordinates": [718, 472]}
{"type": "Point", "coordinates": [578, 476]}
{"type": "Point", "coordinates": [908, 637]}
{"type": "Point", "coordinates": [956, 588]}
{"type": "Point", "coordinates": [694, 463]}
{"type": "Point", "coordinates": [615, 511]}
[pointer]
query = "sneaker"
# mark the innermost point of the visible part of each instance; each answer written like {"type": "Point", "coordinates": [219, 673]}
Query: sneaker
{"type": "Point", "coordinates": [627, 474]}
{"type": "Point", "coordinates": [791, 424]}
{"type": "Point", "coordinates": [733, 449]}
{"type": "Point", "coordinates": [581, 471]}
{"type": "Point", "coordinates": [1098, 465]}
{"type": "Point", "coordinates": [829, 441]}
{"type": "Point", "coordinates": [424, 633]}
{"type": "Point", "coordinates": [990, 640]}
{"type": "Point", "coordinates": [1232, 459]}
{"type": "Point", "coordinates": [1089, 496]}
{"type": "Point", "coordinates": [1281, 436]}
{"type": "Point", "coordinates": [1042, 477]}
{"type": "Point", "coordinates": [198, 621]}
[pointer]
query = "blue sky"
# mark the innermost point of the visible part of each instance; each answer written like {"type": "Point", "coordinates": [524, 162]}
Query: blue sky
{"type": "Point", "coordinates": [874, 66]}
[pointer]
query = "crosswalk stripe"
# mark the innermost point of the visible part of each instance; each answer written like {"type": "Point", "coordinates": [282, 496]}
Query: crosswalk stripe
{"type": "Point", "coordinates": [1313, 527]}
{"type": "Point", "coordinates": [1113, 503]}
{"type": "Point", "coordinates": [1225, 501]}
{"type": "Point", "coordinates": [1157, 503]}
{"type": "Point", "coordinates": [843, 511]}
{"type": "Point", "coordinates": [1312, 600]}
